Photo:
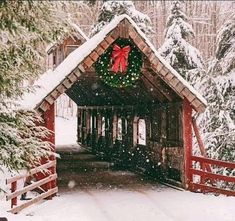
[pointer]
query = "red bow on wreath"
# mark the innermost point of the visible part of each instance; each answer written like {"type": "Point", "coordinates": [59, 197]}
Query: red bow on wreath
{"type": "Point", "coordinates": [120, 57]}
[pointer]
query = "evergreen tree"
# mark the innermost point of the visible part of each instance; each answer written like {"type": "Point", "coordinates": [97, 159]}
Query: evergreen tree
{"type": "Point", "coordinates": [218, 121]}
{"type": "Point", "coordinates": [176, 49]}
{"type": "Point", "coordinates": [24, 28]}
{"type": "Point", "coordinates": [110, 9]}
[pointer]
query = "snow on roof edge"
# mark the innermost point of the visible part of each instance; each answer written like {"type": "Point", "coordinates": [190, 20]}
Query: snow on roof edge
{"type": "Point", "coordinates": [164, 62]}
{"type": "Point", "coordinates": [50, 80]}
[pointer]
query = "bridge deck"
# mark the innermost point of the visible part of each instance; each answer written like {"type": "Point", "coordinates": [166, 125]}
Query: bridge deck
{"type": "Point", "coordinates": [80, 170]}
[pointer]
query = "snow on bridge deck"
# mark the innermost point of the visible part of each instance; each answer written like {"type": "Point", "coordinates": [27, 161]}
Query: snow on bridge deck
{"type": "Point", "coordinates": [129, 198]}
{"type": "Point", "coordinates": [163, 204]}
{"type": "Point", "coordinates": [114, 195]}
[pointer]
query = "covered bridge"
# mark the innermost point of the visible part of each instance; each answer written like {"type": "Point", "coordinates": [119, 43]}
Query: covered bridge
{"type": "Point", "coordinates": [131, 103]}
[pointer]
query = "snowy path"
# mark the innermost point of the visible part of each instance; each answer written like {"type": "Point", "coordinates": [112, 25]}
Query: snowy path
{"type": "Point", "coordinates": [138, 205]}
{"type": "Point", "coordinates": [112, 195]}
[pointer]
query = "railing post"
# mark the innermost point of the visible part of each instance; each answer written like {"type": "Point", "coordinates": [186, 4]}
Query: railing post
{"type": "Point", "coordinates": [13, 189]}
{"type": "Point", "coordinates": [203, 177]}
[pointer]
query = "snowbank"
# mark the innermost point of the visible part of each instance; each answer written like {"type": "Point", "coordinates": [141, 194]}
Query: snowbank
{"type": "Point", "coordinates": [163, 204]}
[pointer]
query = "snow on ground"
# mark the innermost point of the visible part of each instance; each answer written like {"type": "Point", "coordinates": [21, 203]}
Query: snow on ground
{"type": "Point", "coordinates": [163, 204]}
{"type": "Point", "coordinates": [130, 200]}
{"type": "Point", "coordinates": [65, 131]}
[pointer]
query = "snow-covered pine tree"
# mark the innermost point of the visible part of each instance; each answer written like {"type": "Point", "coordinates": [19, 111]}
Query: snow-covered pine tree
{"type": "Point", "coordinates": [218, 121]}
{"type": "Point", "coordinates": [176, 49]}
{"type": "Point", "coordinates": [25, 27]}
{"type": "Point", "coordinates": [110, 9]}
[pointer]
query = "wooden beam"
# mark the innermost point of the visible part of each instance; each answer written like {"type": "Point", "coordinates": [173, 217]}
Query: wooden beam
{"type": "Point", "coordinates": [99, 50]}
{"type": "Point", "coordinates": [220, 163]}
{"type": "Point", "coordinates": [94, 55]}
{"type": "Point", "coordinates": [213, 176]}
{"type": "Point", "coordinates": [155, 91]}
{"type": "Point", "coordinates": [152, 93]}
{"type": "Point", "coordinates": [37, 199]}
{"type": "Point", "coordinates": [55, 94]}
{"type": "Point", "coordinates": [44, 106]}
{"type": "Point", "coordinates": [104, 44]}
{"type": "Point", "coordinates": [50, 99]}
{"type": "Point", "coordinates": [187, 138]}
{"type": "Point", "coordinates": [31, 172]}
{"type": "Point", "coordinates": [31, 187]}
{"type": "Point", "coordinates": [205, 188]}
{"type": "Point", "coordinates": [73, 77]}
{"type": "Point", "coordinates": [88, 62]}
{"type": "Point", "coordinates": [158, 84]}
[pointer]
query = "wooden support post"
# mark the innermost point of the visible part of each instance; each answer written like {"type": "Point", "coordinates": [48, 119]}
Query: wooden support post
{"type": "Point", "coordinates": [187, 138]}
{"type": "Point", "coordinates": [13, 189]}
{"type": "Point", "coordinates": [88, 122]}
{"type": "Point", "coordinates": [79, 125]}
{"type": "Point", "coordinates": [202, 181]}
{"type": "Point", "coordinates": [114, 127]}
{"type": "Point", "coordinates": [83, 138]}
{"type": "Point", "coordinates": [49, 123]}
{"type": "Point", "coordinates": [99, 124]}
{"type": "Point", "coordinates": [130, 131]}
{"type": "Point", "coordinates": [135, 130]}
{"type": "Point", "coordinates": [200, 143]}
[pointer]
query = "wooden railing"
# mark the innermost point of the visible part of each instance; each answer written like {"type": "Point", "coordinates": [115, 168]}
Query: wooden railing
{"type": "Point", "coordinates": [208, 179]}
{"type": "Point", "coordinates": [49, 177]}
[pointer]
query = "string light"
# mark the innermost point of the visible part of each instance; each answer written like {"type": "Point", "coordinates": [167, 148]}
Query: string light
{"type": "Point", "coordinates": [133, 73]}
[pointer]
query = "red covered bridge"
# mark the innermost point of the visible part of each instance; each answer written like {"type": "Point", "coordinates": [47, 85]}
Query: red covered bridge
{"type": "Point", "coordinates": [109, 117]}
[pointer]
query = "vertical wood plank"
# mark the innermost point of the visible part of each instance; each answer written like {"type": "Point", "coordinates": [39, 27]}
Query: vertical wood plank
{"type": "Point", "coordinates": [135, 131]}
{"type": "Point", "coordinates": [187, 138]}
{"type": "Point", "coordinates": [49, 123]}
{"type": "Point", "coordinates": [79, 125]}
{"type": "Point", "coordinates": [114, 127]}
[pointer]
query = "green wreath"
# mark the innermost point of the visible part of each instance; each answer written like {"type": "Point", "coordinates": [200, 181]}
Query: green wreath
{"type": "Point", "coordinates": [104, 64]}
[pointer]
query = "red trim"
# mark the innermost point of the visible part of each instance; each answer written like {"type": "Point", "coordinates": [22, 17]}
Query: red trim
{"type": "Point", "coordinates": [49, 123]}
{"type": "Point", "coordinates": [203, 188]}
{"type": "Point", "coordinates": [205, 176]}
{"type": "Point", "coordinates": [213, 176]}
{"type": "Point", "coordinates": [187, 138]}
{"type": "Point", "coordinates": [214, 162]}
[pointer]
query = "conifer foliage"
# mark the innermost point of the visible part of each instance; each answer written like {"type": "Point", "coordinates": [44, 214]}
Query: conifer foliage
{"type": "Point", "coordinates": [176, 49]}
{"type": "Point", "coordinates": [25, 26]}
{"type": "Point", "coordinates": [218, 121]}
{"type": "Point", "coordinates": [110, 9]}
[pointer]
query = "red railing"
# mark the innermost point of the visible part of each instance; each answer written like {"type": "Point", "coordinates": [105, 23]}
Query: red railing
{"type": "Point", "coordinates": [208, 179]}
{"type": "Point", "coordinates": [48, 178]}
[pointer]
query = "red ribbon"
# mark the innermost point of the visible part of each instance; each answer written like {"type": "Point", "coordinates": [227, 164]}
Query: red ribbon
{"type": "Point", "coordinates": [120, 57]}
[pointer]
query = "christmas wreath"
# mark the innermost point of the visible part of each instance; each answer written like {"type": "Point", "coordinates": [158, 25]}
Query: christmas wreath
{"type": "Point", "coordinates": [120, 65]}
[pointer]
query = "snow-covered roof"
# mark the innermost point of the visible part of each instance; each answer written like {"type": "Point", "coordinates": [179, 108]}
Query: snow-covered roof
{"type": "Point", "coordinates": [79, 31]}
{"type": "Point", "coordinates": [51, 79]}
